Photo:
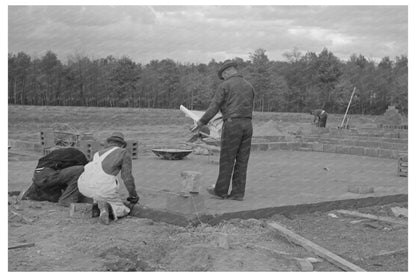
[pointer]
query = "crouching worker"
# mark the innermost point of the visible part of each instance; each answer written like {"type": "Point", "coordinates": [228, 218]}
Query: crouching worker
{"type": "Point", "coordinates": [55, 177]}
{"type": "Point", "coordinates": [102, 177]}
{"type": "Point", "coordinates": [320, 117]}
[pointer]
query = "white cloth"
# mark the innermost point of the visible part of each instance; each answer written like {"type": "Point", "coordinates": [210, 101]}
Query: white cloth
{"type": "Point", "coordinates": [100, 186]}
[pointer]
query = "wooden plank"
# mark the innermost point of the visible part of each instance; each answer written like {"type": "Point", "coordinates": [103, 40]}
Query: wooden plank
{"type": "Point", "coordinates": [21, 245]}
{"type": "Point", "coordinates": [318, 250]}
{"type": "Point", "coordinates": [370, 216]}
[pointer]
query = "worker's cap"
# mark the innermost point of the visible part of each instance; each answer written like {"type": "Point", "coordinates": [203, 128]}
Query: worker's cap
{"type": "Point", "coordinates": [117, 137]}
{"type": "Point", "coordinates": [224, 66]}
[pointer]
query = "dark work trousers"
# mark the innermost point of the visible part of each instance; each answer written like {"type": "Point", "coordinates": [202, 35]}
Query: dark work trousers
{"type": "Point", "coordinates": [322, 120]}
{"type": "Point", "coordinates": [235, 152]}
{"type": "Point", "coordinates": [56, 185]}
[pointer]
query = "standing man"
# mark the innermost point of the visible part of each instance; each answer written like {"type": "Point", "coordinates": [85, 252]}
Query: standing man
{"type": "Point", "coordinates": [102, 177]}
{"type": "Point", "coordinates": [321, 116]}
{"type": "Point", "coordinates": [234, 98]}
{"type": "Point", "coordinates": [55, 177]}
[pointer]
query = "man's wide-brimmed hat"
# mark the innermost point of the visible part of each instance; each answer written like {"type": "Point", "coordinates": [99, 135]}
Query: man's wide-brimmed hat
{"type": "Point", "coordinates": [224, 66]}
{"type": "Point", "coordinates": [117, 137]}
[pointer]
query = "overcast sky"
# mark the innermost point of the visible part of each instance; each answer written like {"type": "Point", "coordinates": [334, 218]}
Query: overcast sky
{"type": "Point", "coordinates": [202, 33]}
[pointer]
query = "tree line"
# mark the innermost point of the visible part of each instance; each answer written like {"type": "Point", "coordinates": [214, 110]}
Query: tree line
{"type": "Point", "coordinates": [299, 83]}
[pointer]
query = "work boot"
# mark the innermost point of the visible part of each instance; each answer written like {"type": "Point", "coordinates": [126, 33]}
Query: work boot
{"type": "Point", "coordinates": [95, 210]}
{"type": "Point", "coordinates": [104, 212]}
{"type": "Point", "coordinates": [211, 190]}
{"type": "Point", "coordinates": [235, 197]}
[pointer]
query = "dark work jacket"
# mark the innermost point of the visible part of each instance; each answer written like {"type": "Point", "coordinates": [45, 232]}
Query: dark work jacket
{"type": "Point", "coordinates": [318, 114]}
{"type": "Point", "coordinates": [234, 98]}
{"type": "Point", "coordinates": [62, 158]}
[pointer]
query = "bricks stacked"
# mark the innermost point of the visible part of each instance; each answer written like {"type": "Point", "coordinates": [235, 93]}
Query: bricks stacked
{"type": "Point", "coordinates": [402, 165]}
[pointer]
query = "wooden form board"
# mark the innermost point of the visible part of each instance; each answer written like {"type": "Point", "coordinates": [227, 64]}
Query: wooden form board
{"type": "Point", "coordinates": [370, 216]}
{"type": "Point", "coordinates": [318, 250]}
{"type": "Point", "coordinates": [21, 245]}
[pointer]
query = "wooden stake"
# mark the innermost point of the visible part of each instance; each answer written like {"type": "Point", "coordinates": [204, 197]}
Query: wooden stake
{"type": "Point", "coordinates": [21, 245]}
{"type": "Point", "coordinates": [346, 112]}
{"type": "Point", "coordinates": [318, 250]}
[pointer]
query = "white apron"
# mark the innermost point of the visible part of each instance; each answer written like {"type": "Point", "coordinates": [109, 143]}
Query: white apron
{"type": "Point", "coordinates": [100, 186]}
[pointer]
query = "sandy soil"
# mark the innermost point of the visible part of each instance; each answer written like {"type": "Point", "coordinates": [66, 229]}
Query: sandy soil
{"type": "Point", "coordinates": [81, 243]}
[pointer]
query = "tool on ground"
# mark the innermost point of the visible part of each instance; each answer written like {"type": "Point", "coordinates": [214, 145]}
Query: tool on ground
{"type": "Point", "coordinates": [348, 107]}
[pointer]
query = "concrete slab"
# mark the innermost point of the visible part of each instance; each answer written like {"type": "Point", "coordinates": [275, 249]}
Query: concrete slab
{"type": "Point", "coordinates": [275, 179]}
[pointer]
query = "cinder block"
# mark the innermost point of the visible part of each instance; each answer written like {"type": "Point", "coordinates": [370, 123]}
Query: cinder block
{"type": "Point", "coordinates": [372, 152]}
{"type": "Point", "coordinates": [318, 147]}
{"type": "Point", "coordinates": [192, 204]}
{"type": "Point", "coordinates": [259, 146]}
{"type": "Point", "coordinates": [47, 138]}
{"type": "Point", "coordinates": [284, 146]}
{"type": "Point", "coordinates": [385, 153]}
{"type": "Point", "coordinates": [349, 142]}
{"type": "Point", "coordinates": [356, 150]}
{"type": "Point", "coordinates": [330, 148]}
{"type": "Point", "coordinates": [276, 145]}
{"type": "Point", "coordinates": [360, 189]}
{"type": "Point", "coordinates": [342, 149]}
{"type": "Point", "coordinates": [80, 210]}
{"type": "Point", "coordinates": [360, 143]}
{"type": "Point", "coordinates": [293, 146]}
{"type": "Point", "coordinates": [306, 145]}
{"type": "Point", "coordinates": [395, 154]}
{"type": "Point", "coordinates": [133, 147]}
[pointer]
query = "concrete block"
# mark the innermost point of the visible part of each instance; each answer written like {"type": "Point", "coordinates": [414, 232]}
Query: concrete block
{"type": "Point", "coordinates": [330, 148]}
{"type": "Point", "coordinates": [395, 154]}
{"type": "Point", "coordinates": [287, 146]}
{"type": "Point", "coordinates": [47, 138]}
{"type": "Point", "coordinates": [359, 143]}
{"type": "Point", "coordinates": [385, 153]}
{"type": "Point", "coordinates": [293, 146]}
{"type": "Point", "coordinates": [259, 146]}
{"type": "Point", "coordinates": [342, 149]}
{"type": "Point", "coordinates": [190, 182]}
{"type": "Point", "coordinates": [357, 150]}
{"type": "Point", "coordinates": [349, 142]}
{"type": "Point", "coordinates": [80, 210]}
{"type": "Point", "coordinates": [276, 145]}
{"type": "Point", "coordinates": [133, 147]}
{"type": "Point", "coordinates": [318, 147]}
{"type": "Point", "coordinates": [195, 203]}
{"type": "Point", "coordinates": [360, 189]}
{"type": "Point", "coordinates": [371, 152]}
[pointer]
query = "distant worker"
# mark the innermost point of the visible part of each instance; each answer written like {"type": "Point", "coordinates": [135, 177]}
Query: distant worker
{"type": "Point", "coordinates": [234, 98]}
{"type": "Point", "coordinates": [55, 177]}
{"type": "Point", "coordinates": [320, 117]}
{"type": "Point", "coordinates": [102, 177]}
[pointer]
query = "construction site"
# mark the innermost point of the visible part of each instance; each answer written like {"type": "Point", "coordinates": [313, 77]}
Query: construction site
{"type": "Point", "coordinates": [317, 199]}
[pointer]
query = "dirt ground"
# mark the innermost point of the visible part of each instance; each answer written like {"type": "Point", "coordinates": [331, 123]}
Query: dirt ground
{"type": "Point", "coordinates": [62, 243]}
